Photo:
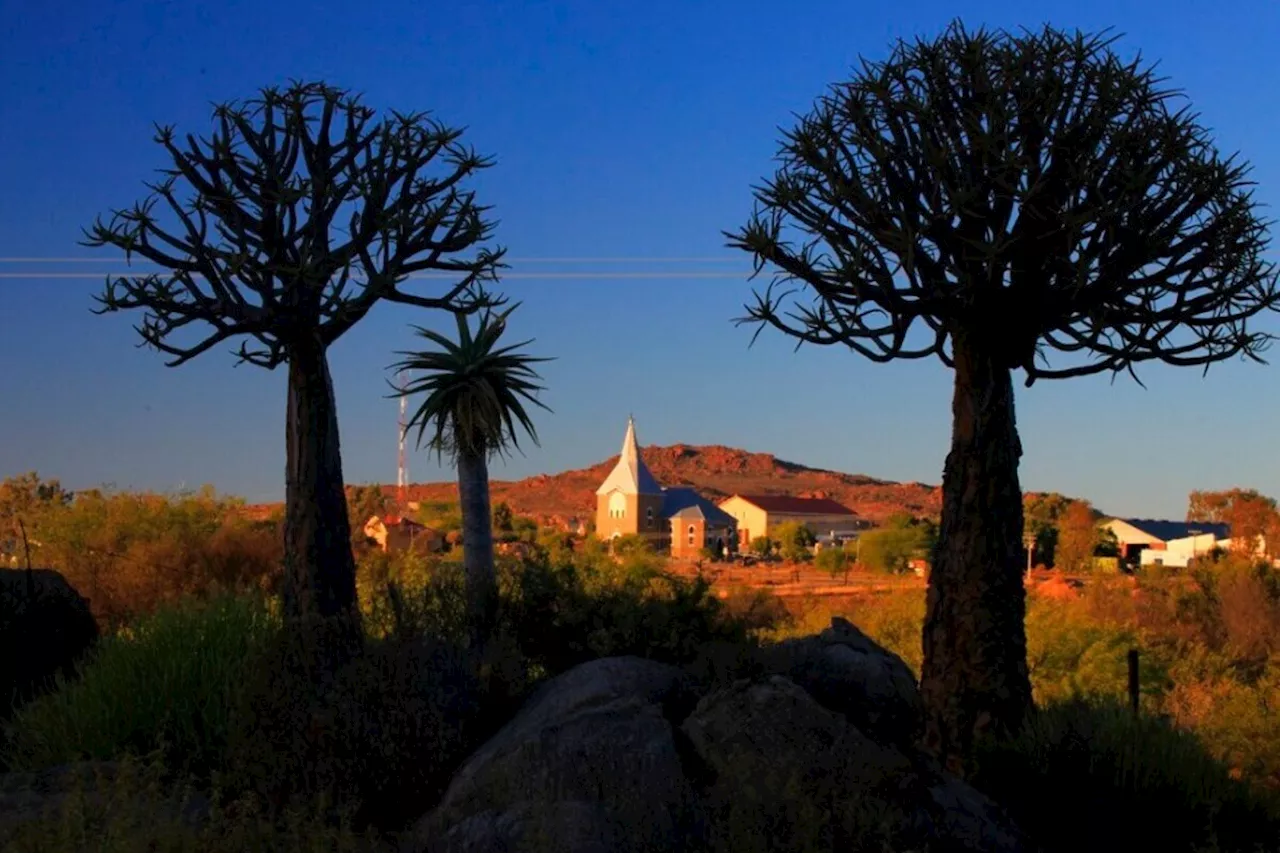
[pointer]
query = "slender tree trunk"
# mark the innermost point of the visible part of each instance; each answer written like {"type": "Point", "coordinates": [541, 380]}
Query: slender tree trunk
{"type": "Point", "coordinates": [319, 578]}
{"type": "Point", "coordinates": [477, 547]}
{"type": "Point", "coordinates": [974, 678]}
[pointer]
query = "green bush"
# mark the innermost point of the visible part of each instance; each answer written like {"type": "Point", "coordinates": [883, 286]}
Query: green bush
{"type": "Point", "coordinates": [168, 684]}
{"type": "Point", "coordinates": [1089, 775]}
{"type": "Point", "coordinates": [568, 614]}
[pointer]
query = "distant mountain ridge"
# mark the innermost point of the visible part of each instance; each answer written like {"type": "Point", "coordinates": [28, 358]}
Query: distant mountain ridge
{"type": "Point", "coordinates": [714, 470]}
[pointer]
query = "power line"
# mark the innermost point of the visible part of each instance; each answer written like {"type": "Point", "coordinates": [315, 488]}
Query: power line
{"type": "Point", "coordinates": [564, 260]}
{"type": "Point", "coordinates": [604, 274]}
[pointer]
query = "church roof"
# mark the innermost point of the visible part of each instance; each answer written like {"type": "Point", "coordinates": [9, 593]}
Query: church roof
{"type": "Point", "coordinates": [630, 476]}
{"type": "Point", "coordinates": [683, 502]}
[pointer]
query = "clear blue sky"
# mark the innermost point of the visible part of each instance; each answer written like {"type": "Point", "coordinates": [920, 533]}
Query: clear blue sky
{"type": "Point", "coordinates": [621, 130]}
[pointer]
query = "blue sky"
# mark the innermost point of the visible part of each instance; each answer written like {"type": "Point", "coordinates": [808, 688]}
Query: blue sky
{"type": "Point", "coordinates": [622, 130]}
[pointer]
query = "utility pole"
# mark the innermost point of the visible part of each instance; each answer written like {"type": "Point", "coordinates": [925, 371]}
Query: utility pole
{"type": "Point", "coordinates": [402, 466]}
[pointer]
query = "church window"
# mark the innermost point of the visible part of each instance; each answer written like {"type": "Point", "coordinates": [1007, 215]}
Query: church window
{"type": "Point", "coordinates": [648, 518]}
{"type": "Point", "coordinates": [692, 530]}
{"type": "Point", "coordinates": [617, 505]}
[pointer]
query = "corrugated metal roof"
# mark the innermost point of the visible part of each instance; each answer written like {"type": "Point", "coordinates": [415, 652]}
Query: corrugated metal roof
{"type": "Point", "coordinates": [1168, 530]}
{"type": "Point", "coordinates": [788, 505]}
{"type": "Point", "coordinates": [630, 475]}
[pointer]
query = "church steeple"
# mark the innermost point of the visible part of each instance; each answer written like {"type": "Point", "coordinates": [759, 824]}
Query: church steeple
{"type": "Point", "coordinates": [630, 476]}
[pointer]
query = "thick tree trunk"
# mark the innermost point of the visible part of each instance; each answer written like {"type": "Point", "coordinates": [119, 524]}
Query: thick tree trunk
{"type": "Point", "coordinates": [974, 679]}
{"type": "Point", "coordinates": [320, 571]}
{"type": "Point", "coordinates": [477, 547]}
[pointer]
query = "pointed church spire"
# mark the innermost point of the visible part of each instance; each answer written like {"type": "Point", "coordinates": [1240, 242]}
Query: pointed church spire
{"type": "Point", "coordinates": [630, 450]}
{"type": "Point", "coordinates": [630, 476]}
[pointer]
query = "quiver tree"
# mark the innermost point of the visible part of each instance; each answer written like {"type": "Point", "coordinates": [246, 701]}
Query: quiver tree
{"type": "Point", "coordinates": [296, 215]}
{"type": "Point", "coordinates": [473, 393]}
{"type": "Point", "coordinates": [989, 199]}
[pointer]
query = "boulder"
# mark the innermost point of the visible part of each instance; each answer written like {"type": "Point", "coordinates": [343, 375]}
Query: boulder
{"type": "Point", "coordinates": [591, 759]}
{"type": "Point", "coordinates": [791, 774]}
{"type": "Point", "coordinates": [850, 674]}
{"type": "Point", "coordinates": [41, 614]}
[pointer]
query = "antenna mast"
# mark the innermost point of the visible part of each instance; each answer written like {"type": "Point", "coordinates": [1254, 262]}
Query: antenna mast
{"type": "Point", "coordinates": [402, 467]}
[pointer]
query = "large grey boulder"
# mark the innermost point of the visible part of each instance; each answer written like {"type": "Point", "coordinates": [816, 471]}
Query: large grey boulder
{"type": "Point", "coordinates": [849, 673]}
{"type": "Point", "coordinates": [590, 763]}
{"type": "Point", "coordinates": [791, 774]}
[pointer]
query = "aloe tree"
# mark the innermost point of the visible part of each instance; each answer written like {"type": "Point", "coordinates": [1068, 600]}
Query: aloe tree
{"type": "Point", "coordinates": [282, 228]}
{"type": "Point", "coordinates": [474, 407]}
{"type": "Point", "coordinates": [1005, 202]}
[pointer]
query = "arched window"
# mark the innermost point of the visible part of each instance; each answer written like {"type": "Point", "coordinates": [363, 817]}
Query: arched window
{"type": "Point", "coordinates": [648, 518]}
{"type": "Point", "coordinates": [692, 530]}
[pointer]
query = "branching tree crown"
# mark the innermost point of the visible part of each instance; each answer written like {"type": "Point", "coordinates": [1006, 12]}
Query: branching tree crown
{"type": "Point", "coordinates": [292, 219]}
{"type": "Point", "coordinates": [1034, 190]}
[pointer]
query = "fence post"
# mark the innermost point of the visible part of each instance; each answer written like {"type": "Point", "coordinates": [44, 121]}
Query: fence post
{"type": "Point", "coordinates": [1133, 681]}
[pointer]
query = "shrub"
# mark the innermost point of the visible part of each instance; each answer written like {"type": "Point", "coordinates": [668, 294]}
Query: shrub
{"type": "Point", "coordinates": [566, 615]}
{"type": "Point", "coordinates": [129, 553]}
{"type": "Point", "coordinates": [1089, 775]}
{"type": "Point", "coordinates": [834, 561]}
{"type": "Point", "coordinates": [136, 808]}
{"type": "Point", "coordinates": [166, 684]}
{"type": "Point", "coordinates": [378, 740]}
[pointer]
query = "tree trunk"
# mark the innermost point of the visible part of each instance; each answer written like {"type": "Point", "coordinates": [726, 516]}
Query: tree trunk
{"type": "Point", "coordinates": [320, 571]}
{"type": "Point", "coordinates": [477, 547]}
{"type": "Point", "coordinates": [974, 678]}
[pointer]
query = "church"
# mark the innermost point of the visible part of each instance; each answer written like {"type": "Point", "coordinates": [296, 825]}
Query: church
{"type": "Point", "coordinates": [630, 502]}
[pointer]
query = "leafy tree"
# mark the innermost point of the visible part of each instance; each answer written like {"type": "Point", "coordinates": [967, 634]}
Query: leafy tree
{"type": "Point", "coordinates": [1108, 543]}
{"type": "Point", "coordinates": [761, 546]}
{"type": "Point", "coordinates": [795, 541]}
{"type": "Point", "coordinates": [834, 561]}
{"type": "Point", "coordinates": [1078, 538]}
{"type": "Point", "coordinates": [987, 198]}
{"type": "Point", "coordinates": [288, 224]}
{"type": "Point", "coordinates": [525, 529]}
{"type": "Point", "coordinates": [502, 518]}
{"type": "Point", "coordinates": [1250, 515]}
{"type": "Point", "coordinates": [1040, 521]}
{"type": "Point", "coordinates": [891, 549]}
{"type": "Point", "coordinates": [474, 394]}
{"type": "Point", "coordinates": [23, 500]}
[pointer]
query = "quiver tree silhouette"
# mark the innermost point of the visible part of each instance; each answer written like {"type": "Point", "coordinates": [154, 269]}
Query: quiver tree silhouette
{"type": "Point", "coordinates": [285, 226]}
{"type": "Point", "coordinates": [473, 391]}
{"type": "Point", "coordinates": [989, 199]}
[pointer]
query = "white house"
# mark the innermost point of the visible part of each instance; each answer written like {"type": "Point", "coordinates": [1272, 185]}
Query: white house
{"type": "Point", "coordinates": [1149, 542]}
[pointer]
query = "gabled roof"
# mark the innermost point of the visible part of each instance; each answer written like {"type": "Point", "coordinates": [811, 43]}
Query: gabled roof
{"type": "Point", "coordinates": [1169, 530]}
{"type": "Point", "coordinates": [684, 502]}
{"type": "Point", "coordinates": [630, 476]}
{"type": "Point", "coordinates": [788, 505]}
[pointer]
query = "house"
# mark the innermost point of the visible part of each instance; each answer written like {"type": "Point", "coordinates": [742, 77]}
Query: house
{"type": "Point", "coordinates": [759, 515]}
{"type": "Point", "coordinates": [1148, 542]}
{"type": "Point", "coordinates": [697, 523]}
{"type": "Point", "coordinates": [396, 533]}
{"type": "Point", "coordinates": [631, 502]}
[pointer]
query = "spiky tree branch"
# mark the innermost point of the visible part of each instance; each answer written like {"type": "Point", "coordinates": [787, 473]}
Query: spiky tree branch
{"type": "Point", "coordinates": [293, 218]}
{"type": "Point", "coordinates": [1037, 189]}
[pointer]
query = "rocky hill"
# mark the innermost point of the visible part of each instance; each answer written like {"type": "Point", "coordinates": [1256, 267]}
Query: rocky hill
{"type": "Point", "coordinates": [716, 472]}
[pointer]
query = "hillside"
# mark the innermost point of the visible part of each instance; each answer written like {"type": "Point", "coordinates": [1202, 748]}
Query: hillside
{"type": "Point", "coordinates": [716, 471]}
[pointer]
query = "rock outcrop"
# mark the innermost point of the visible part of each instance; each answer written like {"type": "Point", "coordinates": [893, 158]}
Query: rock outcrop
{"type": "Point", "coordinates": [849, 673]}
{"type": "Point", "coordinates": [43, 616]}
{"type": "Point", "coordinates": [625, 754]}
{"type": "Point", "coordinates": [590, 760]}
